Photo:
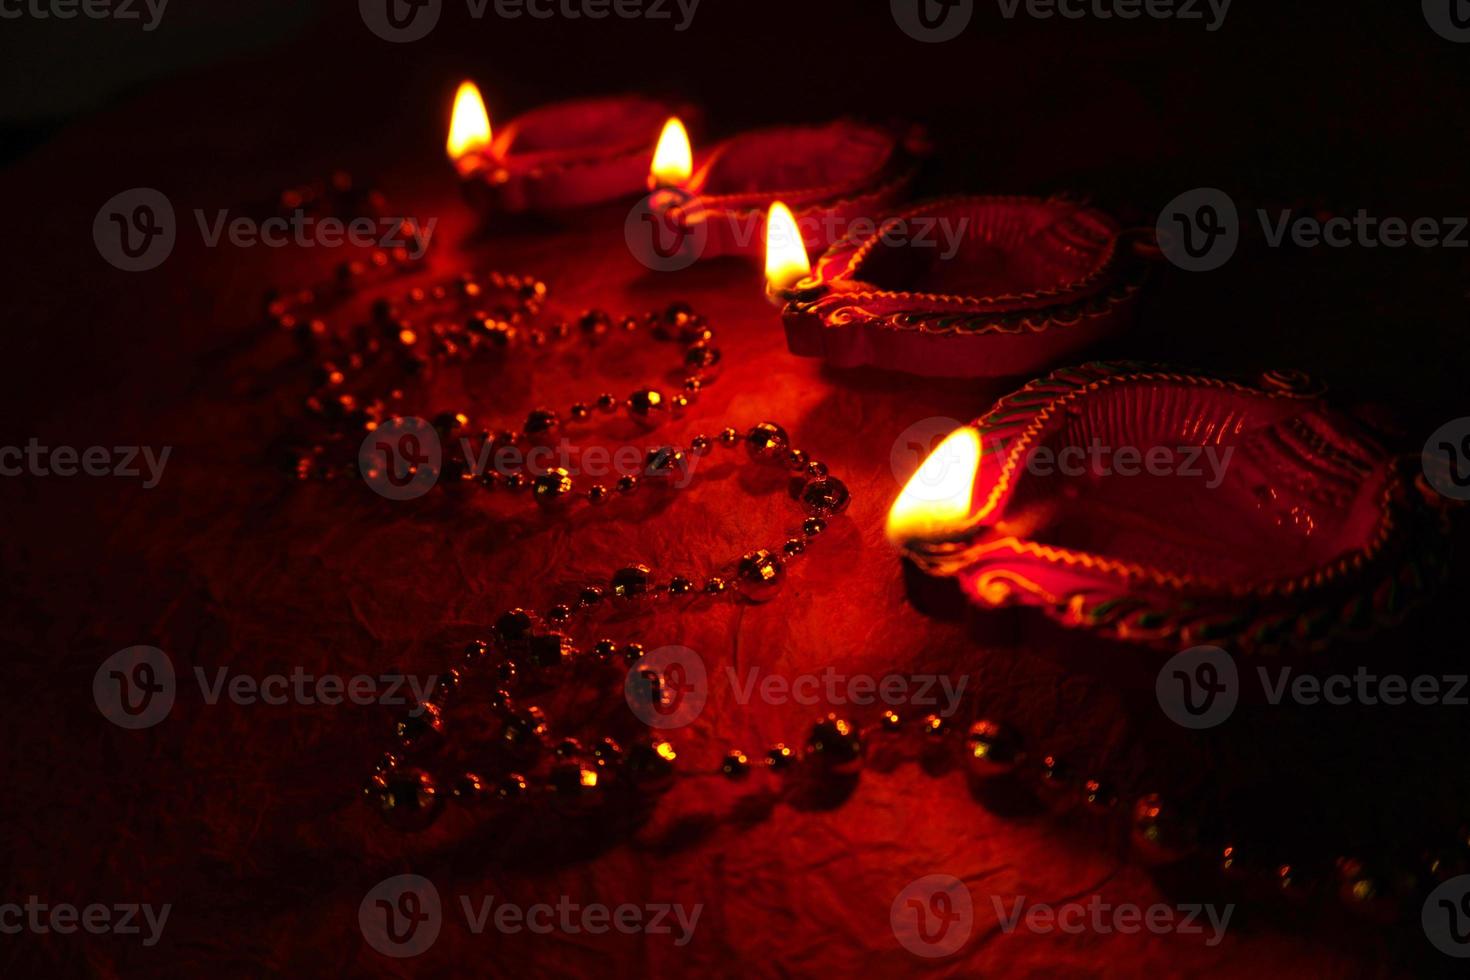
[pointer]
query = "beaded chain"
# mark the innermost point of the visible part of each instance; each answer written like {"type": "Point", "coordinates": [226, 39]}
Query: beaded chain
{"type": "Point", "coordinates": [472, 316]}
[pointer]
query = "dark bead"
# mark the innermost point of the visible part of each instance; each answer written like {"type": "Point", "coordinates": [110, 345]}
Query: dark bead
{"type": "Point", "coordinates": [991, 749]}
{"type": "Point", "coordinates": [590, 596]}
{"type": "Point", "coordinates": [549, 650]}
{"type": "Point", "coordinates": [632, 653]}
{"type": "Point", "coordinates": [507, 672]}
{"type": "Point", "coordinates": [525, 729]}
{"type": "Point", "coordinates": [476, 652]}
{"type": "Point", "coordinates": [735, 765]}
{"type": "Point", "coordinates": [792, 547]}
{"type": "Point", "coordinates": [824, 497]}
{"type": "Point", "coordinates": [651, 765]}
{"type": "Point", "coordinates": [515, 626]}
{"type": "Point", "coordinates": [515, 481]}
{"type": "Point", "coordinates": [631, 581]}
{"type": "Point", "coordinates": [580, 411]}
{"type": "Point", "coordinates": [678, 313]}
{"type": "Point", "coordinates": [420, 726]}
{"type": "Point", "coordinates": [566, 749]}
{"type": "Point", "coordinates": [607, 402]}
{"type": "Point", "coordinates": [627, 484]}
{"type": "Point", "coordinates": [469, 788]}
{"type": "Point", "coordinates": [448, 683]}
{"type": "Point", "coordinates": [606, 753]}
{"type": "Point", "coordinates": [815, 470]}
{"type": "Point", "coordinates": [666, 462]}
{"type": "Point", "coordinates": [594, 323]}
{"type": "Point", "coordinates": [935, 727]}
{"type": "Point", "coordinates": [553, 486]}
{"type": "Point", "coordinates": [558, 614]}
{"type": "Point", "coordinates": [576, 783]}
{"type": "Point", "coordinates": [680, 586]}
{"type": "Point", "coordinates": [835, 745]}
{"type": "Point", "coordinates": [699, 445]}
{"type": "Point", "coordinates": [541, 421]}
{"type": "Point", "coordinates": [1160, 833]}
{"type": "Point", "coordinates": [813, 526]}
{"type": "Point", "coordinates": [406, 799]}
{"type": "Point", "coordinates": [605, 649]}
{"type": "Point", "coordinates": [647, 403]}
{"type": "Point", "coordinates": [715, 586]}
{"type": "Point", "coordinates": [701, 357]}
{"type": "Point", "coordinates": [1098, 795]}
{"type": "Point", "coordinates": [511, 788]}
{"type": "Point", "coordinates": [598, 494]}
{"type": "Point", "coordinates": [728, 436]}
{"type": "Point", "coordinates": [780, 757]}
{"type": "Point", "coordinates": [891, 722]}
{"type": "Point", "coordinates": [761, 575]}
{"type": "Point", "coordinates": [796, 459]}
{"type": "Point", "coordinates": [766, 441]}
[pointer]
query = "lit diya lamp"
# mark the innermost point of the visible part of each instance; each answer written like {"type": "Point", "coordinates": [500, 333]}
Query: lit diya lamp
{"type": "Point", "coordinates": [1173, 509]}
{"type": "Point", "coordinates": [557, 157]}
{"type": "Point", "coordinates": [967, 287]}
{"type": "Point", "coordinates": [832, 176]}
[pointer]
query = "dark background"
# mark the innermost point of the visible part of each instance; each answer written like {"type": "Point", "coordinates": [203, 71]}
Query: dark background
{"type": "Point", "coordinates": [249, 821]}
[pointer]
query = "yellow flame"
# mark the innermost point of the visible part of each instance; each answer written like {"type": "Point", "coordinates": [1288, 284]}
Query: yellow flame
{"type": "Point", "coordinates": [469, 125]}
{"type": "Point", "coordinates": [937, 499]}
{"type": "Point", "coordinates": [786, 261]}
{"type": "Point", "coordinates": [673, 160]}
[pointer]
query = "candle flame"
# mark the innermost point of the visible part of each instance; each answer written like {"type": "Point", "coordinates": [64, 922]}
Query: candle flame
{"type": "Point", "coordinates": [937, 499]}
{"type": "Point", "coordinates": [469, 125]}
{"type": "Point", "coordinates": [786, 261]}
{"type": "Point", "coordinates": [673, 160]}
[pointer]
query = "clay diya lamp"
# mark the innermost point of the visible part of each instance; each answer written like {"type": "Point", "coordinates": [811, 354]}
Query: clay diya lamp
{"type": "Point", "coordinates": [557, 157]}
{"type": "Point", "coordinates": [832, 175]}
{"type": "Point", "coordinates": [1247, 515]}
{"type": "Point", "coordinates": [967, 287]}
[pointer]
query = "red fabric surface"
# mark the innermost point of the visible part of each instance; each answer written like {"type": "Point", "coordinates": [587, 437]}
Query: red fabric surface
{"type": "Point", "coordinates": [248, 819]}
